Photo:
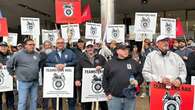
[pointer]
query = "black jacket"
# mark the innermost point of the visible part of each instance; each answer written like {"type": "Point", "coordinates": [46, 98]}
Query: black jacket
{"type": "Point", "coordinates": [190, 67]}
{"type": "Point", "coordinates": [4, 58]}
{"type": "Point", "coordinates": [116, 75]}
{"type": "Point", "coordinates": [84, 62]}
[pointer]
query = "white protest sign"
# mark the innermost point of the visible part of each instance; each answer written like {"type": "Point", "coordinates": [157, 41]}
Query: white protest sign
{"type": "Point", "coordinates": [142, 36]}
{"type": "Point", "coordinates": [30, 26]}
{"type": "Point", "coordinates": [50, 35]}
{"type": "Point", "coordinates": [11, 39]}
{"type": "Point", "coordinates": [58, 83]}
{"type": "Point", "coordinates": [36, 39]}
{"type": "Point", "coordinates": [145, 23]}
{"type": "Point", "coordinates": [116, 32]}
{"type": "Point", "coordinates": [6, 80]}
{"type": "Point", "coordinates": [93, 31]}
{"type": "Point", "coordinates": [72, 31]}
{"type": "Point", "coordinates": [131, 32]}
{"type": "Point", "coordinates": [92, 90]}
{"type": "Point", "coordinates": [168, 27]}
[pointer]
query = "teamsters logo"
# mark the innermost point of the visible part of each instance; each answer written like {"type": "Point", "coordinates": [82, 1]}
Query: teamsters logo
{"type": "Point", "coordinates": [30, 25]}
{"type": "Point", "coordinates": [145, 22]}
{"type": "Point", "coordinates": [97, 84]}
{"type": "Point", "coordinates": [68, 10]}
{"type": "Point", "coordinates": [171, 102]}
{"type": "Point", "coordinates": [168, 27]}
{"type": "Point", "coordinates": [58, 81]}
{"type": "Point", "coordinates": [51, 36]}
{"type": "Point", "coordinates": [1, 77]}
{"type": "Point", "coordinates": [115, 33]}
{"type": "Point", "coordinates": [93, 30]}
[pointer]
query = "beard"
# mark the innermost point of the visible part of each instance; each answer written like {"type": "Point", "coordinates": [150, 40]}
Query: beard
{"type": "Point", "coordinates": [164, 50]}
{"type": "Point", "coordinates": [47, 51]}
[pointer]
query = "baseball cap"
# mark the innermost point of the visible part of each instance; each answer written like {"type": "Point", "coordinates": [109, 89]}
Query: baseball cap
{"type": "Point", "coordinates": [80, 41]}
{"type": "Point", "coordinates": [161, 37]}
{"type": "Point", "coordinates": [89, 43]}
{"type": "Point", "coordinates": [3, 44]}
{"type": "Point", "coordinates": [122, 46]}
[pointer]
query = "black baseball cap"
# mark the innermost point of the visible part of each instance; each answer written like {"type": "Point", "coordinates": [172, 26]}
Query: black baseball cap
{"type": "Point", "coordinates": [3, 44]}
{"type": "Point", "coordinates": [122, 46]}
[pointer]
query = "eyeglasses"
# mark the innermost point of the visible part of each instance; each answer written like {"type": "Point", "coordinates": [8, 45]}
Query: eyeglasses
{"type": "Point", "coordinates": [31, 44]}
{"type": "Point", "coordinates": [60, 42]}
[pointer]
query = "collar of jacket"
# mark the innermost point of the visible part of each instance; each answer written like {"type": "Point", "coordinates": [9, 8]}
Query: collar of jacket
{"type": "Point", "coordinates": [159, 52]}
{"type": "Point", "coordinates": [57, 50]}
{"type": "Point", "coordinates": [85, 57]}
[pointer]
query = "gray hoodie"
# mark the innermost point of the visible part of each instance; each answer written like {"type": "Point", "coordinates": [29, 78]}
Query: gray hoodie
{"type": "Point", "coordinates": [25, 65]}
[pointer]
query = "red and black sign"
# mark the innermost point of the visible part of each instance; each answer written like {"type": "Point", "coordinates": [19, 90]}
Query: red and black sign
{"type": "Point", "coordinates": [3, 27]}
{"type": "Point", "coordinates": [68, 11]}
{"type": "Point", "coordinates": [181, 98]}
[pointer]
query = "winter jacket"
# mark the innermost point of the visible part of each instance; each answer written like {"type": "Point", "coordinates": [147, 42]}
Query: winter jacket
{"type": "Point", "coordinates": [84, 62]}
{"type": "Point", "coordinates": [190, 67]}
{"type": "Point", "coordinates": [157, 66]}
{"type": "Point", "coordinates": [25, 65]}
{"type": "Point", "coordinates": [117, 73]}
{"type": "Point", "coordinates": [67, 57]}
{"type": "Point", "coordinates": [4, 58]}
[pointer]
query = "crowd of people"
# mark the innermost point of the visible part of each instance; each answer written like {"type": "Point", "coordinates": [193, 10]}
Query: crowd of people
{"type": "Point", "coordinates": [126, 67]}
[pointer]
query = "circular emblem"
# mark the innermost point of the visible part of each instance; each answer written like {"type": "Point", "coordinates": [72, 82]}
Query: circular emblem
{"type": "Point", "coordinates": [97, 84]}
{"type": "Point", "coordinates": [58, 81]}
{"type": "Point", "coordinates": [115, 33]}
{"type": "Point", "coordinates": [171, 105]}
{"type": "Point", "coordinates": [34, 57]}
{"type": "Point", "coordinates": [93, 30]}
{"type": "Point", "coordinates": [68, 10]}
{"type": "Point", "coordinates": [171, 102]}
{"type": "Point", "coordinates": [145, 22]}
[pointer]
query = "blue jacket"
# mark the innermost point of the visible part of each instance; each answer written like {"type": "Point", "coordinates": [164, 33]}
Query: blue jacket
{"type": "Point", "coordinates": [67, 57]}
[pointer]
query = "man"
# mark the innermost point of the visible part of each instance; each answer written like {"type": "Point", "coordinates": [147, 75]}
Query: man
{"type": "Point", "coordinates": [4, 56]}
{"type": "Point", "coordinates": [183, 50]}
{"type": "Point", "coordinates": [80, 46]}
{"type": "Point", "coordinates": [62, 57]}
{"type": "Point", "coordinates": [25, 64]}
{"type": "Point", "coordinates": [175, 46]}
{"type": "Point", "coordinates": [146, 50]}
{"type": "Point", "coordinates": [47, 49]}
{"type": "Point", "coordinates": [89, 60]}
{"type": "Point", "coordinates": [164, 66]}
{"type": "Point", "coordinates": [121, 77]}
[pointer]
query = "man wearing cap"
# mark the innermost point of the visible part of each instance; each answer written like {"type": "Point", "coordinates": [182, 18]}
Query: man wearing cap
{"type": "Point", "coordinates": [120, 78]}
{"type": "Point", "coordinates": [89, 59]}
{"type": "Point", "coordinates": [4, 56]}
{"type": "Point", "coordinates": [164, 66]}
{"type": "Point", "coordinates": [80, 46]}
